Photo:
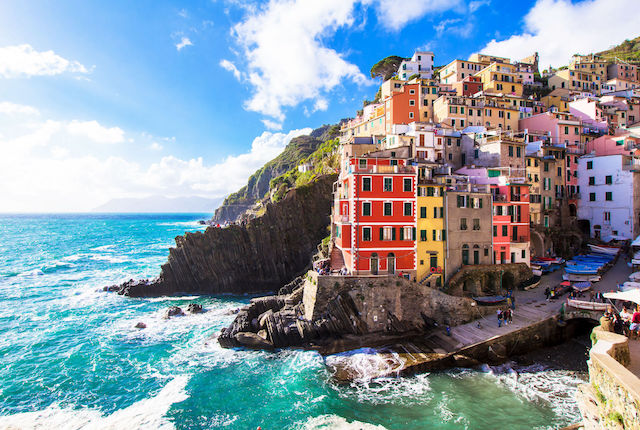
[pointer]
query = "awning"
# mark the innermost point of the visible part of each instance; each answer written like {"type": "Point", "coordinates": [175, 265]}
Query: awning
{"type": "Point", "coordinates": [627, 296]}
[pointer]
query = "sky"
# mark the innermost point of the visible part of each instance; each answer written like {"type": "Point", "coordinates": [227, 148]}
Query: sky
{"type": "Point", "coordinates": [102, 100]}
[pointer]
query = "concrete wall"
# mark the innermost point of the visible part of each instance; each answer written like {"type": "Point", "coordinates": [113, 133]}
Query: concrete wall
{"type": "Point", "coordinates": [486, 280]}
{"type": "Point", "coordinates": [612, 399]}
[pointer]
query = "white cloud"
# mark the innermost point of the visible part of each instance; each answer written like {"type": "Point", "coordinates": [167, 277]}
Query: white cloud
{"type": "Point", "coordinates": [183, 13]}
{"type": "Point", "coordinates": [96, 132]}
{"type": "Point", "coordinates": [46, 166]}
{"type": "Point", "coordinates": [320, 105]}
{"type": "Point", "coordinates": [477, 4]}
{"type": "Point", "coordinates": [229, 66]}
{"type": "Point", "coordinates": [287, 60]}
{"type": "Point", "coordinates": [9, 108]}
{"type": "Point", "coordinates": [463, 28]}
{"type": "Point", "coordinates": [24, 61]}
{"type": "Point", "coordinates": [155, 146]}
{"type": "Point", "coordinates": [272, 125]}
{"type": "Point", "coordinates": [557, 29]}
{"type": "Point", "coordinates": [395, 15]}
{"type": "Point", "coordinates": [184, 42]}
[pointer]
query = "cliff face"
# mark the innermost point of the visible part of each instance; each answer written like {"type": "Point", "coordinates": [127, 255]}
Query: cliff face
{"type": "Point", "coordinates": [258, 184]}
{"type": "Point", "coordinates": [262, 255]}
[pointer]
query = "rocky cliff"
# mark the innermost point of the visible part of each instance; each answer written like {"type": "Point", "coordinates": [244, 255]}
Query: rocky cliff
{"type": "Point", "coordinates": [261, 255]}
{"type": "Point", "coordinates": [258, 184]}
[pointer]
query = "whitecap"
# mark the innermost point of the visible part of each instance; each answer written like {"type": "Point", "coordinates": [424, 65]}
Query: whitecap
{"type": "Point", "coordinates": [145, 414]}
{"type": "Point", "coordinates": [330, 421]}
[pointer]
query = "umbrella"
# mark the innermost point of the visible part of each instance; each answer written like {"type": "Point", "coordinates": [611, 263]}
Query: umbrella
{"type": "Point", "coordinates": [627, 296]}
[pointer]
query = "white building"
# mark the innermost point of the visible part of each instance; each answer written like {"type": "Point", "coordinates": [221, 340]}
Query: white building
{"type": "Point", "coordinates": [420, 64]}
{"type": "Point", "coordinates": [609, 188]}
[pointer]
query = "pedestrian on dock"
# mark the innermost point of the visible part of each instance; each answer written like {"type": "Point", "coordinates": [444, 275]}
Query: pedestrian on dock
{"type": "Point", "coordinates": [509, 316]}
{"type": "Point", "coordinates": [547, 293]}
{"type": "Point", "coordinates": [499, 313]}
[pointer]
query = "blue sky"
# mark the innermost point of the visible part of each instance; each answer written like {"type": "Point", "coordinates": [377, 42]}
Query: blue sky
{"type": "Point", "coordinates": [127, 99]}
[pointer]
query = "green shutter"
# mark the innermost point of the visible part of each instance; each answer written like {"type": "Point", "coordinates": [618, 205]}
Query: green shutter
{"type": "Point", "coordinates": [393, 233]}
{"type": "Point", "coordinates": [480, 202]}
{"type": "Point", "coordinates": [381, 233]}
{"type": "Point", "coordinates": [413, 233]}
{"type": "Point", "coordinates": [401, 233]}
{"type": "Point", "coordinates": [444, 234]}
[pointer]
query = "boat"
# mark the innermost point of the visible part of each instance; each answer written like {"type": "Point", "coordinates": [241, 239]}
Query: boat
{"type": "Point", "coordinates": [635, 276]}
{"type": "Point", "coordinates": [630, 285]}
{"type": "Point", "coordinates": [582, 286]}
{"type": "Point", "coordinates": [627, 287]}
{"type": "Point", "coordinates": [581, 270]}
{"type": "Point", "coordinates": [580, 278]}
{"type": "Point", "coordinates": [541, 263]}
{"type": "Point", "coordinates": [603, 249]}
{"type": "Point", "coordinates": [490, 300]}
{"type": "Point", "coordinates": [590, 306]}
{"type": "Point", "coordinates": [531, 283]}
{"type": "Point", "coordinates": [552, 260]}
{"type": "Point", "coordinates": [562, 288]}
{"type": "Point", "coordinates": [536, 272]}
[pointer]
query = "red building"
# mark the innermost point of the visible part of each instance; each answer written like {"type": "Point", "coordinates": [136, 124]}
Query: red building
{"type": "Point", "coordinates": [374, 215]}
{"type": "Point", "coordinates": [511, 228]}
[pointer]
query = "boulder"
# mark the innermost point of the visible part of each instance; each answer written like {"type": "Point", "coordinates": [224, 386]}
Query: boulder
{"type": "Point", "coordinates": [172, 311]}
{"type": "Point", "coordinates": [252, 340]}
{"type": "Point", "coordinates": [194, 308]}
{"type": "Point", "coordinates": [140, 325]}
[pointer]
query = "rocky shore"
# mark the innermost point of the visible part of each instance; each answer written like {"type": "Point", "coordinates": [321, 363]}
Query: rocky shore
{"type": "Point", "coordinates": [262, 255]}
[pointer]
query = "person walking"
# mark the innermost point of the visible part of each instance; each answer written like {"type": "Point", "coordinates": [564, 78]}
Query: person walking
{"type": "Point", "coordinates": [499, 313]}
{"type": "Point", "coordinates": [547, 293]}
{"type": "Point", "coordinates": [509, 316]}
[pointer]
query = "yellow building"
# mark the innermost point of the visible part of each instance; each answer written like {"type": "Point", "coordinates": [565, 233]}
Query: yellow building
{"type": "Point", "coordinates": [487, 110]}
{"type": "Point", "coordinates": [577, 80]}
{"type": "Point", "coordinates": [501, 78]}
{"type": "Point", "coordinates": [431, 244]}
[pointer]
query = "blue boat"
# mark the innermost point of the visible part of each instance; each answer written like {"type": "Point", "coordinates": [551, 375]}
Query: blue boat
{"type": "Point", "coordinates": [581, 270]}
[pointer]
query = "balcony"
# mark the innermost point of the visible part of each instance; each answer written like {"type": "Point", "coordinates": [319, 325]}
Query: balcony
{"type": "Point", "coordinates": [499, 198]}
{"type": "Point", "coordinates": [520, 239]}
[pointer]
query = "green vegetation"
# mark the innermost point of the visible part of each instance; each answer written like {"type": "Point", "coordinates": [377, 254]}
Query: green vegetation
{"type": "Point", "coordinates": [297, 150]}
{"type": "Point", "coordinates": [323, 160]}
{"type": "Point", "coordinates": [629, 50]}
{"type": "Point", "coordinates": [386, 68]}
{"type": "Point", "coordinates": [601, 398]}
{"type": "Point", "coordinates": [616, 417]}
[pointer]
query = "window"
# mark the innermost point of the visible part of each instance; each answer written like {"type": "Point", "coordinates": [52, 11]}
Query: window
{"type": "Point", "coordinates": [465, 254]}
{"type": "Point", "coordinates": [388, 184]}
{"type": "Point", "coordinates": [408, 209]}
{"type": "Point", "coordinates": [608, 196]}
{"type": "Point", "coordinates": [430, 192]}
{"type": "Point", "coordinates": [608, 180]}
{"type": "Point", "coordinates": [423, 212]}
{"type": "Point", "coordinates": [438, 212]}
{"type": "Point", "coordinates": [366, 184]}
{"type": "Point", "coordinates": [607, 216]}
{"type": "Point", "coordinates": [559, 171]}
{"type": "Point", "coordinates": [505, 230]}
{"type": "Point", "coordinates": [423, 235]}
{"type": "Point", "coordinates": [412, 102]}
{"type": "Point", "coordinates": [387, 209]}
{"type": "Point", "coordinates": [592, 197]}
{"type": "Point", "coordinates": [407, 233]}
{"type": "Point", "coordinates": [592, 180]}
{"type": "Point", "coordinates": [366, 234]}
{"type": "Point", "coordinates": [387, 233]}
{"type": "Point", "coordinates": [410, 114]}
{"type": "Point", "coordinates": [407, 185]}
{"type": "Point", "coordinates": [495, 231]}
{"type": "Point", "coordinates": [546, 166]}
{"type": "Point", "coordinates": [510, 151]}
{"type": "Point", "coordinates": [476, 223]}
{"type": "Point", "coordinates": [463, 223]}
{"type": "Point", "coordinates": [518, 152]}
{"type": "Point", "coordinates": [366, 208]}
{"type": "Point", "coordinates": [393, 162]}
{"type": "Point", "coordinates": [362, 163]}
{"type": "Point", "coordinates": [589, 165]}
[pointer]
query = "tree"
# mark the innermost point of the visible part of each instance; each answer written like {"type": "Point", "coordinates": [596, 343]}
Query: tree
{"type": "Point", "coordinates": [387, 67]}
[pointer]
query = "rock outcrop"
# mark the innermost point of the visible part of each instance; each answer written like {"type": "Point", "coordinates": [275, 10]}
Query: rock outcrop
{"type": "Point", "coordinates": [262, 255]}
{"type": "Point", "coordinates": [332, 308]}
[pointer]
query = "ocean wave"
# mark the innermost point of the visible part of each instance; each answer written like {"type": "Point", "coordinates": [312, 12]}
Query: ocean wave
{"type": "Point", "coordinates": [330, 421]}
{"type": "Point", "coordinates": [145, 414]}
{"type": "Point", "coordinates": [183, 224]}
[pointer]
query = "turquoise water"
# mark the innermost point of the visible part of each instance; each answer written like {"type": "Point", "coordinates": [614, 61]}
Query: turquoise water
{"type": "Point", "coordinates": [72, 358]}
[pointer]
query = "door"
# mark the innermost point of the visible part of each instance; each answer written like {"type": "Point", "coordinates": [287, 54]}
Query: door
{"type": "Point", "coordinates": [513, 257]}
{"type": "Point", "coordinates": [391, 263]}
{"type": "Point", "coordinates": [433, 263]}
{"type": "Point", "coordinates": [374, 264]}
{"type": "Point", "coordinates": [503, 258]}
{"type": "Point", "coordinates": [476, 257]}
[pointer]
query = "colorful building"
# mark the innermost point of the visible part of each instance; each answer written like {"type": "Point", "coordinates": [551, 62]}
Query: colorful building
{"type": "Point", "coordinates": [431, 234]}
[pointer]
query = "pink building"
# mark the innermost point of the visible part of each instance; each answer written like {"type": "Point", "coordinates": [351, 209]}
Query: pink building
{"type": "Point", "coordinates": [623, 144]}
{"type": "Point", "coordinates": [589, 111]}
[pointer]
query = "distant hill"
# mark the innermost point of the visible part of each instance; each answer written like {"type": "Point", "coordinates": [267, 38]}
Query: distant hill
{"type": "Point", "coordinates": [629, 50]}
{"type": "Point", "coordinates": [258, 184]}
{"type": "Point", "coordinates": [160, 204]}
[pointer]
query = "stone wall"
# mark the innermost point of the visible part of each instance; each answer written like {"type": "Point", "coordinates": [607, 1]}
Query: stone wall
{"type": "Point", "coordinates": [375, 297]}
{"type": "Point", "coordinates": [487, 279]}
{"type": "Point", "coordinates": [612, 399]}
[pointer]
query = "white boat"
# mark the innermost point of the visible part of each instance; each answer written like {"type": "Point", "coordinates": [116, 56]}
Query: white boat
{"type": "Point", "coordinates": [635, 276]}
{"type": "Point", "coordinates": [580, 278]}
{"type": "Point", "coordinates": [591, 306]}
{"type": "Point", "coordinates": [536, 272]}
{"type": "Point", "coordinates": [609, 250]}
{"type": "Point", "coordinates": [629, 285]}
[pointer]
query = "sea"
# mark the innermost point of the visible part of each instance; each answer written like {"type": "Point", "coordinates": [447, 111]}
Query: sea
{"type": "Point", "coordinates": [71, 357]}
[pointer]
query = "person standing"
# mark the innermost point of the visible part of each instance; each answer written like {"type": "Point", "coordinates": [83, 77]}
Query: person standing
{"type": "Point", "coordinates": [635, 323]}
{"type": "Point", "coordinates": [499, 313]}
{"type": "Point", "coordinates": [547, 293]}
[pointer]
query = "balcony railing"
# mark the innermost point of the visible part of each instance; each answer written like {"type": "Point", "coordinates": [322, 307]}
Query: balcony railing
{"type": "Point", "coordinates": [520, 239]}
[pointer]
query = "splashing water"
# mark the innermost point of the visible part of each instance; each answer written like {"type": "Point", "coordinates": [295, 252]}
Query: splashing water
{"type": "Point", "coordinates": [72, 357]}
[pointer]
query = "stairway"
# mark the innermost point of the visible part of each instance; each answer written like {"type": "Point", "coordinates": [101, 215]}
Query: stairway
{"type": "Point", "coordinates": [337, 260]}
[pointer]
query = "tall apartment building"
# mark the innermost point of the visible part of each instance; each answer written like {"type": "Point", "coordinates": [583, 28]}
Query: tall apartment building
{"type": "Point", "coordinates": [420, 64]}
